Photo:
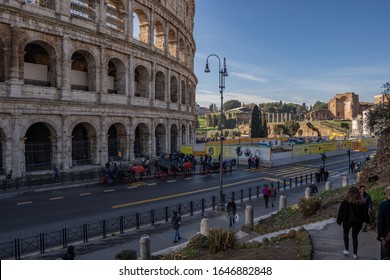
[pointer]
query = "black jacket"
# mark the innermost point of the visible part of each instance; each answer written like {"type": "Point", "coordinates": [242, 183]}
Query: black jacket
{"type": "Point", "coordinates": [350, 213]}
{"type": "Point", "coordinates": [231, 208]}
{"type": "Point", "coordinates": [384, 219]}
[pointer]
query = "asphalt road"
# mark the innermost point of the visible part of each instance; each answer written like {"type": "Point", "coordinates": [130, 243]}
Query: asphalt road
{"type": "Point", "coordinates": [30, 214]}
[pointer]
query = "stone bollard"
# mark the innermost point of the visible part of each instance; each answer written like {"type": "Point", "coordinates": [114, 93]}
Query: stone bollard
{"type": "Point", "coordinates": [308, 192]}
{"type": "Point", "coordinates": [358, 174]}
{"type": "Point", "coordinates": [144, 247]}
{"type": "Point", "coordinates": [328, 185]}
{"type": "Point", "coordinates": [249, 215]}
{"type": "Point", "coordinates": [344, 181]}
{"type": "Point", "coordinates": [282, 202]}
{"type": "Point", "coordinates": [204, 226]}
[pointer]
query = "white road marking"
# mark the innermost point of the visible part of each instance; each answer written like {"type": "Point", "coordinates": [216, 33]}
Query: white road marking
{"type": "Point", "coordinates": [85, 194]}
{"type": "Point", "coordinates": [24, 203]}
{"type": "Point", "coordinates": [109, 190]}
{"type": "Point", "coordinates": [56, 198]}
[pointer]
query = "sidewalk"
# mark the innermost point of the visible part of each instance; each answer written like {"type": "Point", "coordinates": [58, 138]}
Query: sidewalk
{"type": "Point", "coordinates": [326, 236]}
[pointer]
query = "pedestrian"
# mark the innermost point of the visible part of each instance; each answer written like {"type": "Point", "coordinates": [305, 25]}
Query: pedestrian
{"type": "Point", "coordinates": [313, 188]}
{"type": "Point", "coordinates": [176, 221]}
{"type": "Point", "coordinates": [326, 175]}
{"type": "Point", "coordinates": [70, 254]}
{"type": "Point", "coordinates": [384, 225]}
{"type": "Point", "coordinates": [352, 167]}
{"type": "Point", "coordinates": [272, 193]}
{"type": "Point", "coordinates": [266, 194]}
{"type": "Point", "coordinates": [55, 174]}
{"type": "Point", "coordinates": [367, 198]}
{"type": "Point", "coordinates": [352, 213]}
{"type": "Point", "coordinates": [231, 211]}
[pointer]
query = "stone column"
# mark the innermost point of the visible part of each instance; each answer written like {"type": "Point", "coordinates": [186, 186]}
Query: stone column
{"type": "Point", "coordinates": [130, 79]}
{"type": "Point", "coordinates": [102, 78]}
{"type": "Point", "coordinates": [249, 215]}
{"type": "Point", "coordinates": [144, 247]}
{"type": "Point", "coordinates": [66, 69]}
{"type": "Point", "coordinates": [65, 152]}
{"type": "Point", "coordinates": [204, 227]}
{"type": "Point", "coordinates": [282, 202]}
{"type": "Point", "coordinates": [308, 192]}
{"type": "Point", "coordinates": [101, 15]}
{"type": "Point", "coordinates": [62, 9]}
{"type": "Point", "coordinates": [129, 19]}
{"type": "Point", "coordinates": [18, 165]}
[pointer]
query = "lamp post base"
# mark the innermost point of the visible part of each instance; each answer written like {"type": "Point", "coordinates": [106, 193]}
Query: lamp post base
{"type": "Point", "coordinates": [221, 203]}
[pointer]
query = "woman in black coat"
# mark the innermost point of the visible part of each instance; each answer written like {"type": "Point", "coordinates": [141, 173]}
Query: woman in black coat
{"type": "Point", "coordinates": [352, 213]}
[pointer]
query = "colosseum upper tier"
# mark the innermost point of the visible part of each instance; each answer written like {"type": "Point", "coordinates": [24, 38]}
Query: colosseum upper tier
{"type": "Point", "coordinates": [82, 81]}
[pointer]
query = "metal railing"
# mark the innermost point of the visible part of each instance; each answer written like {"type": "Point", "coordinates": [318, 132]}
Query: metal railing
{"type": "Point", "coordinates": [48, 179]}
{"type": "Point", "coordinates": [41, 242]}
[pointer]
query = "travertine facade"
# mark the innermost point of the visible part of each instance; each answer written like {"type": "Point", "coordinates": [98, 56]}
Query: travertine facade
{"type": "Point", "coordinates": [82, 81]}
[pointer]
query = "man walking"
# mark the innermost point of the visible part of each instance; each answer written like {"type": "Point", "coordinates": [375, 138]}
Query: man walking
{"type": "Point", "coordinates": [231, 211]}
{"type": "Point", "coordinates": [176, 221]}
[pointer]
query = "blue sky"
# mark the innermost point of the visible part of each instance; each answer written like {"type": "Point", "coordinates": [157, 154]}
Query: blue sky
{"type": "Point", "coordinates": [292, 50]}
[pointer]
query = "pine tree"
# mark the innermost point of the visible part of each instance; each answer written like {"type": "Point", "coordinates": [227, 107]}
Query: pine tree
{"type": "Point", "coordinates": [255, 123]}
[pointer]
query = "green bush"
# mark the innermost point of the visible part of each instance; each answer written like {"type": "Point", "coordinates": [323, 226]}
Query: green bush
{"type": "Point", "coordinates": [310, 206]}
{"type": "Point", "coordinates": [220, 240]}
{"type": "Point", "coordinates": [126, 255]}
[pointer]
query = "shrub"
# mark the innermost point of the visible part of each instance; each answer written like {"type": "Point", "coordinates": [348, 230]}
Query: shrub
{"type": "Point", "coordinates": [220, 240]}
{"type": "Point", "coordinates": [309, 206]}
{"type": "Point", "coordinates": [126, 255]}
{"type": "Point", "coordinates": [198, 241]}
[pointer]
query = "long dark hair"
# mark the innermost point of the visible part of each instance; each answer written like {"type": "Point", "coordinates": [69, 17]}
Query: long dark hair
{"type": "Point", "coordinates": [353, 196]}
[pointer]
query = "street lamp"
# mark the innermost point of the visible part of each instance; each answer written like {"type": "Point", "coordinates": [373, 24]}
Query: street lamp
{"type": "Point", "coordinates": [222, 74]}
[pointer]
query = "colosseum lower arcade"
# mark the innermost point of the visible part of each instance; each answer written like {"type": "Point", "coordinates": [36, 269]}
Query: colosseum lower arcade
{"type": "Point", "coordinates": [83, 81]}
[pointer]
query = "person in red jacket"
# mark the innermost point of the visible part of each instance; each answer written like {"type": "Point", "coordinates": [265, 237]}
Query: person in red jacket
{"type": "Point", "coordinates": [352, 213]}
{"type": "Point", "coordinates": [266, 194]}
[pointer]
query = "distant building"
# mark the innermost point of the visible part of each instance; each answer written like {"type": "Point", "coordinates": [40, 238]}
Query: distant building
{"type": "Point", "coordinates": [344, 106]}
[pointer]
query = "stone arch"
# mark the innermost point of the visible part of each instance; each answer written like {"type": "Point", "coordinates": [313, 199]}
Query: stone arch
{"type": "Point", "coordinates": [174, 89]}
{"type": "Point", "coordinates": [83, 144]}
{"type": "Point", "coordinates": [183, 92]}
{"type": "Point", "coordinates": [161, 136]}
{"type": "Point", "coordinates": [115, 17]}
{"type": "Point", "coordinates": [140, 25]}
{"type": "Point", "coordinates": [174, 139]}
{"type": "Point", "coordinates": [83, 71]}
{"type": "Point", "coordinates": [141, 82]}
{"type": "Point", "coordinates": [141, 141]}
{"type": "Point", "coordinates": [182, 51]}
{"type": "Point", "coordinates": [40, 146]}
{"type": "Point", "coordinates": [172, 43]}
{"type": "Point", "coordinates": [39, 66]}
{"type": "Point", "coordinates": [116, 140]}
{"type": "Point", "coordinates": [116, 76]}
{"type": "Point", "coordinates": [160, 86]}
{"type": "Point", "coordinates": [159, 35]}
{"type": "Point", "coordinates": [83, 9]}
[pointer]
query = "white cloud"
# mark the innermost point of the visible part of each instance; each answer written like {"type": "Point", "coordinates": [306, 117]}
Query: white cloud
{"type": "Point", "coordinates": [249, 77]}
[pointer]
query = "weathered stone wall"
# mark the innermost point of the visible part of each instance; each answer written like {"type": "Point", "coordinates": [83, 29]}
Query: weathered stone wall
{"type": "Point", "coordinates": [58, 34]}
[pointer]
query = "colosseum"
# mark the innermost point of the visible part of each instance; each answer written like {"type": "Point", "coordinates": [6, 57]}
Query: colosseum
{"type": "Point", "coordinates": [82, 81]}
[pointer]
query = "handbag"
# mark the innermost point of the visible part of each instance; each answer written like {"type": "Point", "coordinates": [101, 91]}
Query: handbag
{"type": "Point", "coordinates": [236, 217]}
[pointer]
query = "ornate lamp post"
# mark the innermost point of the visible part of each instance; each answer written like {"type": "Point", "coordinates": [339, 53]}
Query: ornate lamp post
{"type": "Point", "coordinates": [222, 74]}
